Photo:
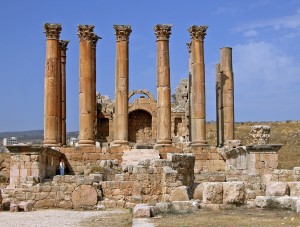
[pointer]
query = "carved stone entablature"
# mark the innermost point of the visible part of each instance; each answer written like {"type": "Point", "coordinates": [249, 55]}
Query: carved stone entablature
{"type": "Point", "coordinates": [198, 32]}
{"type": "Point", "coordinates": [63, 44]}
{"type": "Point", "coordinates": [163, 31]}
{"type": "Point", "coordinates": [95, 39]}
{"type": "Point", "coordinates": [189, 46]}
{"type": "Point", "coordinates": [139, 91]}
{"type": "Point", "coordinates": [122, 32]}
{"type": "Point", "coordinates": [52, 31]}
{"type": "Point", "coordinates": [260, 134]}
{"type": "Point", "coordinates": [85, 32]}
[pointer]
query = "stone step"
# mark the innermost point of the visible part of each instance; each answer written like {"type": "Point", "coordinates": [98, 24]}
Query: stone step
{"type": "Point", "coordinates": [134, 156]}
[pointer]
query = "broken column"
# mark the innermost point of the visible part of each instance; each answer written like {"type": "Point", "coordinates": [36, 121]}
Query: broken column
{"type": "Point", "coordinates": [122, 33]}
{"type": "Point", "coordinates": [52, 76]}
{"type": "Point", "coordinates": [86, 105]}
{"type": "Point", "coordinates": [63, 50]}
{"type": "Point", "coordinates": [198, 121]}
{"type": "Point", "coordinates": [163, 32]}
{"type": "Point", "coordinates": [94, 77]}
{"type": "Point", "coordinates": [227, 93]}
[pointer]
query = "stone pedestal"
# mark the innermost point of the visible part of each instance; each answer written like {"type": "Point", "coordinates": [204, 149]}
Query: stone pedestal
{"type": "Point", "coordinates": [227, 93]}
{"type": "Point", "coordinates": [163, 33]}
{"type": "Point", "coordinates": [122, 70]}
{"type": "Point", "coordinates": [52, 83]}
{"type": "Point", "coordinates": [198, 119]}
{"type": "Point", "coordinates": [63, 50]}
{"type": "Point", "coordinates": [86, 93]}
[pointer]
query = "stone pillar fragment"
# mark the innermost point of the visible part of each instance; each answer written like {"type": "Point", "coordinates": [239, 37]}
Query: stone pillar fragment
{"type": "Point", "coordinates": [52, 76]}
{"type": "Point", "coordinates": [219, 110]}
{"type": "Point", "coordinates": [86, 93]}
{"type": "Point", "coordinates": [63, 55]}
{"type": "Point", "coordinates": [163, 32]}
{"type": "Point", "coordinates": [122, 33]}
{"type": "Point", "coordinates": [189, 46]}
{"type": "Point", "coordinates": [198, 118]}
{"type": "Point", "coordinates": [227, 93]}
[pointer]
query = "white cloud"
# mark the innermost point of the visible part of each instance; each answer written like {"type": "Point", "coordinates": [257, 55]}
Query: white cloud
{"type": "Point", "coordinates": [226, 10]}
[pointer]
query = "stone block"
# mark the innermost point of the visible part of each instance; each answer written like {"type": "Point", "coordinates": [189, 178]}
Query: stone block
{"type": "Point", "coordinates": [262, 201]}
{"type": "Point", "coordinates": [185, 206]}
{"type": "Point", "coordinates": [142, 211]}
{"type": "Point", "coordinates": [14, 207]}
{"type": "Point", "coordinates": [96, 177]}
{"type": "Point", "coordinates": [277, 189]}
{"type": "Point", "coordinates": [212, 193]}
{"type": "Point", "coordinates": [180, 194]}
{"type": "Point", "coordinates": [26, 206]}
{"type": "Point", "coordinates": [294, 188]}
{"type": "Point", "coordinates": [282, 202]}
{"type": "Point", "coordinates": [198, 192]}
{"type": "Point", "coordinates": [84, 196]}
{"type": "Point", "coordinates": [163, 207]}
{"type": "Point", "coordinates": [233, 192]}
{"type": "Point", "coordinates": [45, 203]}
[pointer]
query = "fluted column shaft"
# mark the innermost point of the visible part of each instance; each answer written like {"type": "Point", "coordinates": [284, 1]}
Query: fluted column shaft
{"type": "Point", "coordinates": [163, 33]}
{"type": "Point", "coordinates": [63, 50]}
{"type": "Point", "coordinates": [52, 75]}
{"type": "Point", "coordinates": [122, 33]}
{"type": "Point", "coordinates": [189, 46]}
{"type": "Point", "coordinates": [198, 118]}
{"type": "Point", "coordinates": [219, 108]}
{"type": "Point", "coordinates": [86, 105]}
{"type": "Point", "coordinates": [227, 92]}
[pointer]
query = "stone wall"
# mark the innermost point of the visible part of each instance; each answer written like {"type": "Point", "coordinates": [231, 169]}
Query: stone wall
{"type": "Point", "coordinates": [4, 166]}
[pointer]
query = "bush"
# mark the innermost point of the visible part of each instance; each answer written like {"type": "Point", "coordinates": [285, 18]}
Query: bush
{"type": "Point", "coordinates": [97, 169]}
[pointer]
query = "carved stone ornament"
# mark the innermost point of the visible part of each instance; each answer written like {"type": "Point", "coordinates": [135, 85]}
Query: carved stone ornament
{"type": "Point", "coordinates": [163, 31]}
{"type": "Point", "coordinates": [85, 32]}
{"type": "Point", "coordinates": [122, 32]}
{"type": "Point", "coordinates": [95, 39]}
{"type": "Point", "coordinates": [52, 31]}
{"type": "Point", "coordinates": [198, 32]}
{"type": "Point", "coordinates": [63, 45]}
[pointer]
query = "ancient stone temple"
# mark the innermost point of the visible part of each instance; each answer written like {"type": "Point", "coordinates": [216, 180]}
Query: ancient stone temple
{"type": "Point", "coordinates": [134, 148]}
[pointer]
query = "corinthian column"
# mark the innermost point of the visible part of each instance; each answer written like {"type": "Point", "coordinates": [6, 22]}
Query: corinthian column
{"type": "Point", "coordinates": [86, 105]}
{"type": "Point", "coordinates": [122, 33]}
{"type": "Point", "coordinates": [198, 121]}
{"type": "Point", "coordinates": [63, 55]}
{"type": "Point", "coordinates": [189, 47]}
{"type": "Point", "coordinates": [52, 75]}
{"type": "Point", "coordinates": [163, 32]}
{"type": "Point", "coordinates": [227, 93]}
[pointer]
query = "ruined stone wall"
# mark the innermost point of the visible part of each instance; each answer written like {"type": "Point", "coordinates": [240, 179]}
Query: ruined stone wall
{"type": "Point", "coordinates": [4, 166]}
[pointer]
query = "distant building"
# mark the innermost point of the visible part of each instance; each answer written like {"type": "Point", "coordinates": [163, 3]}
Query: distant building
{"type": "Point", "coordinates": [10, 141]}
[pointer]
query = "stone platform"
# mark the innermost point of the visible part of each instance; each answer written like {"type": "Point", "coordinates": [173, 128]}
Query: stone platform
{"type": "Point", "coordinates": [134, 156]}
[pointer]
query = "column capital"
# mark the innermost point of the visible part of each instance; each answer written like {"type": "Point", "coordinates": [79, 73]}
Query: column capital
{"type": "Point", "coordinates": [189, 46]}
{"type": "Point", "coordinates": [95, 39]}
{"type": "Point", "coordinates": [122, 32]}
{"type": "Point", "coordinates": [197, 32]}
{"type": "Point", "coordinates": [52, 31]}
{"type": "Point", "coordinates": [163, 31]}
{"type": "Point", "coordinates": [85, 32]}
{"type": "Point", "coordinates": [63, 45]}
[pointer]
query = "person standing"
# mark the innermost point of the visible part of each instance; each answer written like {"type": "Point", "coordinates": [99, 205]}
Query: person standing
{"type": "Point", "coordinates": [62, 167]}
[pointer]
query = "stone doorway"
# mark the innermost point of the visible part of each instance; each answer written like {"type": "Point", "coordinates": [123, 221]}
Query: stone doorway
{"type": "Point", "coordinates": [140, 127]}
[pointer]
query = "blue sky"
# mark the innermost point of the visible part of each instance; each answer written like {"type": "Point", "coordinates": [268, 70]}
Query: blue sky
{"type": "Point", "coordinates": [264, 36]}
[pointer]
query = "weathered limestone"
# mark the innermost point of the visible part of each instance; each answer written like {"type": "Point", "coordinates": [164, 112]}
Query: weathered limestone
{"type": "Point", "coordinates": [213, 193]}
{"type": "Point", "coordinates": [122, 33]}
{"type": "Point", "coordinates": [63, 50]}
{"type": "Point", "coordinates": [163, 32]}
{"type": "Point", "coordinates": [227, 95]}
{"type": "Point", "coordinates": [180, 194]}
{"type": "Point", "coordinates": [52, 81]}
{"type": "Point", "coordinates": [86, 104]}
{"type": "Point", "coordinates": [198, 124]}
{"type": "Point", "coordinates": [233, 192]}
{"type": "Point", "coordinates": [84, 196]}
{"type": "Point", "coordinates": [277, 189]}
{"type": "Point", "coordinates": [141, 211]}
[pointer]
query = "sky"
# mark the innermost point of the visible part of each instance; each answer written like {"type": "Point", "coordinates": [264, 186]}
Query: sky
{"type": "Point", "coordinates": [264, 35]}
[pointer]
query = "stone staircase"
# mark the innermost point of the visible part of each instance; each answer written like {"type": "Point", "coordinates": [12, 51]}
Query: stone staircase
{"type": "Point", "coordinates": [134, 156]}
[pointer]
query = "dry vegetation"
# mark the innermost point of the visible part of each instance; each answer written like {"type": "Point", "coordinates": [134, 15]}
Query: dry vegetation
{"type": "Point", "coordinates": [286, 133]}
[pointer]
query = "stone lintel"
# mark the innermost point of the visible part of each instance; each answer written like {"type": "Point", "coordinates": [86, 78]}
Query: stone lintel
{"type": "Point", "coordinates": [52, 31]}
{"type": "Point", "coordinates": [85, 32]}
{"type": "Point", "coordinates": [163, 31]}
{"type": "Point", "coordinates": [122, 32]}
{"type": "Point", "coordinates": [33, 149]}
{"type": "Point", "coordinates": [197, 32]}
{"type": "Point", "coordinates": [264, 148]}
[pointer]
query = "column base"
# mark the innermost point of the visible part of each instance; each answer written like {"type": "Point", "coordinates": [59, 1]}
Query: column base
{"type": "Point", "coordinates": [201, 143]}
{"type": "Point", "coordinates": [120, 142]}
{"type": "Point", "coordinates": [86, 143]}
{"type": "Point", "coordinates": [163, 143]}
{"type": "Point", "coordinates": [51, 143]}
